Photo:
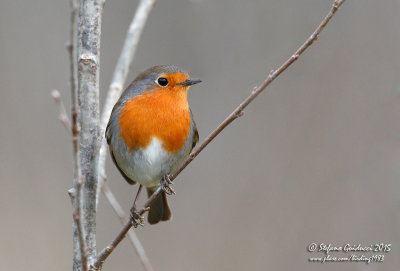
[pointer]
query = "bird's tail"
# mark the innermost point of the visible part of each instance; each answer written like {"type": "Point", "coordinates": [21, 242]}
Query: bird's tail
{"type": "Point", "coordinates": [159, 209]}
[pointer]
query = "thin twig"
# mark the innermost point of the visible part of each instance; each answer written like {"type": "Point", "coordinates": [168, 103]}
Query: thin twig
{"type": "Point", "coordinates": [121, 71]}
{"type": "Point", "coordinates": [80, 261]}
{"type": "Point", "coordinates": [77, 216]}
{"type": "Point", "coordinates": [62, 114]}
{"type": "Point", "coordinates": [131, 234]}
{"type": "Point", "coordinates": [108, 249]}
{"type": "Point", "coordinates": [238, 112]}
{"type": "Point", "coordinates": [71, 47]}
{"type": "Point", "coordinates": [234, 115]}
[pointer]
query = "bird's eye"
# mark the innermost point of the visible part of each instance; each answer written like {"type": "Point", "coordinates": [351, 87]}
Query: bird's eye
{"type": "Point", "coordinates": [162, 81]}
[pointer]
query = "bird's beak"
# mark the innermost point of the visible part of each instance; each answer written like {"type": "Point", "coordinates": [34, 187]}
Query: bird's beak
{"type": "Point", "coordinates": [190, 81]}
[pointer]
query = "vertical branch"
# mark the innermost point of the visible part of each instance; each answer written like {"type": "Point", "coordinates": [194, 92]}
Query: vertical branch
{"type": "Point", "coordinates": [84, 80]}
{"type": "Point", "coordinates": [88, 62]}
{"type": "Point", "coordinates": [121, 71]}
{"type": "Point", "coordinates": [80, 249]}
{"type": "Point", "coordinates": [79, 244]}
{"type": "Point", "coordinates": [73, 56]}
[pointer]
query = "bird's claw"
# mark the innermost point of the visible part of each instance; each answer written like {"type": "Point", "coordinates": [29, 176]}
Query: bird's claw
{"type": "Point", "coordinates": [136, 218]}
{"type": "Point", "coordinates": [166, 185]}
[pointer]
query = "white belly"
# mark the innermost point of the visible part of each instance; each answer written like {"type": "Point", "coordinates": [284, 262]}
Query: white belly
{"type": "Point", "coordinates": [151, 164]}
{"type": "Point", "coordinates": [147, 166]}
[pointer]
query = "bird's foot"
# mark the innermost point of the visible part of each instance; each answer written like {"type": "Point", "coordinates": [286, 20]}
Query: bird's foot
{"type": "Point", "coordinates": [166, 185]}
{"type": "Point", "coordinates": [136, 218]}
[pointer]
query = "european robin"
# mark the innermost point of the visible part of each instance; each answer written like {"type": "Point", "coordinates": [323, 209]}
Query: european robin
{"type": "Point", "coordinates": [150, 132]}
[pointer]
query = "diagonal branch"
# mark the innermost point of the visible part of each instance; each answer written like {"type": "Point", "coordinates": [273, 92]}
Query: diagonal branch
{"type": "Point", "coordinates": [120, 73]}
{"type": "Point", "coordinates": [126, 57]}
{"type": "Point", "coordinates": [132, 236]}
{"type": "Point", "coordinates": [234, 115]}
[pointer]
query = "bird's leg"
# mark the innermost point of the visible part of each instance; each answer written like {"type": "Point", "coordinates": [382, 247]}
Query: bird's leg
{"type": "Point", "coordinates": [166, 185]}
{"type": "Point", "coordinates": [136, 218]}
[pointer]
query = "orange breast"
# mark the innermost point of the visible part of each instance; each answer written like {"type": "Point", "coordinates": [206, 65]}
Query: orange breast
{"type": "Point", "coordinates": [163, 114]}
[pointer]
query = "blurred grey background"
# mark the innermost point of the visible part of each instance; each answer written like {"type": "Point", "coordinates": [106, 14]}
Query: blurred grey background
{"type": "Point", "coordinates": [314, 159]}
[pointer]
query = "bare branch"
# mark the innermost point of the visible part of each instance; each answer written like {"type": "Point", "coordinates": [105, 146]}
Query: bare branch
{"type": "Point", "coordinates": [107, 250]}
{"type": "Point", "coordinates": [238, 112]}
{"type": "Point", "coordinates": [132, 235]}
{"type": "Point", "coordinates": [234, 115]}
{"type": "Point", "coordinates": [88, 61]}
{"type": "Point", "coordinates": [72, 50]}
{"type": "Point", "coordinates": [121, 71]}
{"type": "Point", "coordinates": [126, 57]}
{"type": "Point", "coordinates": [80, 261]}
{"type": "Point", "coordinates": [62, 114]}
{"type": "Point", "coordinates": [77, 216]}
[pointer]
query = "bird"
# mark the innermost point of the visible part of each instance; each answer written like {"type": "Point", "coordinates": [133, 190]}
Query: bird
{"type": "Point", "coordinates": [150, 132]}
